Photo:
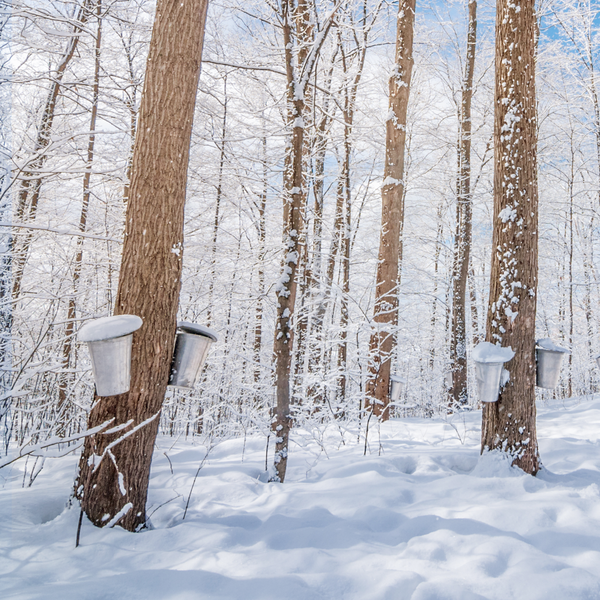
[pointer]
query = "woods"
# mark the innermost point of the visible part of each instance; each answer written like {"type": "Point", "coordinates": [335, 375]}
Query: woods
{"type": "Point", "coordinates": [345, 191]}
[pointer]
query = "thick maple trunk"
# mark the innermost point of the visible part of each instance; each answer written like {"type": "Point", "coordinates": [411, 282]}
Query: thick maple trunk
{"type": "Point", "coordinates": [385, 312]}
{"type": "Point", "coordinates": [115, 477]}
{"type": "Point", "coordinates": [510, 424]}
{"type": "Point", "coordinates": [462, 245]}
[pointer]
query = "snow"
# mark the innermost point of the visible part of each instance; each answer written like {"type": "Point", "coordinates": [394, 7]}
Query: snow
{"type": "Point", "coordinates": [548, 344]}
{"type": "Point", "coordinates": [194, 328]}
{"type": "Point", "coordinates": [107, 328]}
{"type": "Point", "coordinates": [421, 517]}
{"type": "Point", "coordinates": [486, 352]}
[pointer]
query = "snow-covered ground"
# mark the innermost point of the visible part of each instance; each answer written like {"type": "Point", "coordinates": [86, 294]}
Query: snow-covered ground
{"type": "Point", "coordinates": [420, 517]}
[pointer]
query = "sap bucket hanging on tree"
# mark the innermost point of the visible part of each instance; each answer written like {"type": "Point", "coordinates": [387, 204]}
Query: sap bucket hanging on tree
{"type": "Point", "coordinates": [548, 357]}
{"type": "Point", "coordinates": [489, 366]}
{"type": "Point", "coordinates": [109, 341]}
{"type": "Point", "coordinates": [396, 385]}
{"type": "Point", "coordinates": [191, 347]}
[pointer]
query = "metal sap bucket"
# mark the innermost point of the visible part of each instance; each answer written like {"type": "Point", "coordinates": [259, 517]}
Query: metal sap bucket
{"type": "Point", "coordinates": [109, 341]}
{"type": "Point", "coordinates": [396, 385]}
{"type": "Point", "coordinates": [548, 358]}
{"type": "Point", "coordinates": [489, 362]}
{"type": "Point", "coordinates": [488, 376]}
{"type": "Point", "coordinates": [598, 360]}
{"type": "Point", "coordinates": [191, 348]}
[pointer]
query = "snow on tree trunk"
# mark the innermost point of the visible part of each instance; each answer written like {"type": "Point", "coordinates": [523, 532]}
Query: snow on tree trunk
{"type": "Point", "coordinates": [510, 423]}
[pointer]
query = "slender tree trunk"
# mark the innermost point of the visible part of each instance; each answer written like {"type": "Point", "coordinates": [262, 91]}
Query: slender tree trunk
{"type": "Point", "coordinates": [436, 263]}
{"type": "Point", "coordinates": [114, 469]}
{"type": "Point", "coordinates": [262, 238]}
{"type": "Point", "coordinates": [510, 424]}
{"type": "Point", "coordinates": [570, 257]}
{"type": "Point", "coordinates": [462, 246]}
{"type": "Point", "coordinates": [385, 312]}
{"type": "Point", "coordinates": [293, 228]}
{"type": "Point", "coordinates": [217, 207]}
{"type": "Point", "coordinates": [31, 183]}
{"type": "Point", "coordinates": [67, 347]}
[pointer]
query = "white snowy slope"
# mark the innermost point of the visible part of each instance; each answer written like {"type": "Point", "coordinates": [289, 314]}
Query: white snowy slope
{"type": "Point", "coordinates": [425, 520]}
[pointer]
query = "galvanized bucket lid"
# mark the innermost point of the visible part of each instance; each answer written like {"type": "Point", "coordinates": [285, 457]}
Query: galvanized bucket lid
{"type": "Point", "coordinates": [398, 379]}
{"type": "Point", "coordinates": [108, 328]}
{"type": "Point", "coordinates": [197, 330]}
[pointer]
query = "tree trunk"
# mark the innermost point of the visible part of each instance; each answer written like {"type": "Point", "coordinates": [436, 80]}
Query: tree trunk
{"type": "Point", "coordinates": [293, 219]}
{"type": "Point", "coordinates": [67, 347]}
{"type": "Point", "coordinates": [217, 206]}
{"type": "Point", "coordinates": [115, 468]}
{"type": "Point", "coordinates": [385, 312]}
{"type": "Point", "coordinates": [510, 424]}
{"type": "Point", "coordinates": [262, 238]}
{"type": "Point", "coordinates": [31, 183]}
{"type": "Point", "coordinates": [462, 246]}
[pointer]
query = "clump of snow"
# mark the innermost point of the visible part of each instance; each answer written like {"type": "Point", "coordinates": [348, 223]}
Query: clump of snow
{"type": "Point", "coordinates": [495, 464]}
{"type": "Point", "coordinates": [196, 329]}
{"type": "Point", "coordinates": [107, 328]}
{"type": "Point", "coordinates": [486, 352]}
{"type": "Point", "coordinates": [548, 344]}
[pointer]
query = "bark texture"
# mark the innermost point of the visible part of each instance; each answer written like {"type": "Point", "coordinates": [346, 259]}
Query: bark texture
{"type": "Point", "coordinates": [385, 314]}
{"type": "Point", "coordinates": [114, 474]}
{"type": "Point", "coordinates": [510, 423]}
{"type": "Point", "coordinates": [462, 245]}
{"type": "Point", "coordinates": [298, 70]}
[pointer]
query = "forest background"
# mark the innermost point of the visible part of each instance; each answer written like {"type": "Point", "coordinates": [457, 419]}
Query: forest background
{"type": "Point", "coordinates": [70, 238]}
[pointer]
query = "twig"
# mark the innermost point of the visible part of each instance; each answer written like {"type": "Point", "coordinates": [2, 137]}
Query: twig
{"type": "Point", "coordinates": [194, 482]}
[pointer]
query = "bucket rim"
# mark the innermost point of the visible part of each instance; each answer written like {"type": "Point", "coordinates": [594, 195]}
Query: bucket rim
{"type": "Point", "coordinates": [196, 329]}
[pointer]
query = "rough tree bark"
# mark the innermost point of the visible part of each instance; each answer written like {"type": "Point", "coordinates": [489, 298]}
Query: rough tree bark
{"type": "Point", "coordinates": [385, 312]}
{"type": "Point", "coordinates": [113, 474]}
{"type": "Point", "coordinates": [462, 244]}
{"type": "Point", "coordinates": [510, 424]}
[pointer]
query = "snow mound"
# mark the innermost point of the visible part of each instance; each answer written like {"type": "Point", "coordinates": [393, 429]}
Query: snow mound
{"type": "Point", "coordinates": [107, 328]}
{"type": "Point", "coordinates": [486, 352]}
{"type": "Point", "coordinates": [495, 464]}
{"type": "Point", "coordinates": [548, 344]}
